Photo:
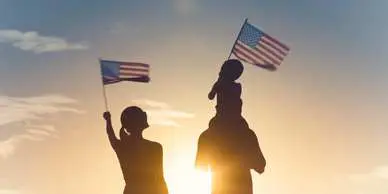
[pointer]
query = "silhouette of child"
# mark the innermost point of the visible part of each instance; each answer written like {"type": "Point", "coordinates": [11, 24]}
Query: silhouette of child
{"type": "Point", "coordinates": [141, 160]}
{"type": "Point", "coordinates": [238, 139]}
{"type": "Point", "coordinates": [228, 92]}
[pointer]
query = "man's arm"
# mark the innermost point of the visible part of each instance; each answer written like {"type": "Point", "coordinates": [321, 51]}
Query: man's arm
{"type": "Point", "coordinates": [202, 158]}
{"type": "Point", "coordinates": [109, 129]}
{"type": "Point", "coordinates": [259, 161]}
{"type": "Point", "coordinates": [159, 171]}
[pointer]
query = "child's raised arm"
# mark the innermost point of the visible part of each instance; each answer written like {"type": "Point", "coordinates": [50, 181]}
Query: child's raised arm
{"type": "Point", "coordinates": [109, 129]}
{"type": "Point", "coordinates": [213, 91]}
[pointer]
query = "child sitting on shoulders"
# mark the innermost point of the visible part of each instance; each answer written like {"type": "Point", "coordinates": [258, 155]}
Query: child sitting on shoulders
{"type": "Point", "coordinates": [237, 136]}
{"type": "Point", "coordinates": [228, 92]}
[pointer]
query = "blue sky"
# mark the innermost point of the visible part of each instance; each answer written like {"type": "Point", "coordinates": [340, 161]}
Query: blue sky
{"type": "Point", "coordinates": [326, 104]}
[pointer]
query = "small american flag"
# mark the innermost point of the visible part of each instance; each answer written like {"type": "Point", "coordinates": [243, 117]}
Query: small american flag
{"type": "Point", "coordinates": [116, 71]}
{"type": "Point", "coordinates": [258, 48]}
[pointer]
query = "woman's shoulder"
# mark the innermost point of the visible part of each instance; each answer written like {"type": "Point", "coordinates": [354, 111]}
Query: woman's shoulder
{"type": "Point", "coordinates": [208, 134]}
{"type": "Point", "coordinates": [153, 144]}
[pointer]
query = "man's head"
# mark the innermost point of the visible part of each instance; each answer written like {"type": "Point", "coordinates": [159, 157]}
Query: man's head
{"type": "Point", "coordinates": [134, 119]}
{"type": "Point", "coordinates": [231, 69]}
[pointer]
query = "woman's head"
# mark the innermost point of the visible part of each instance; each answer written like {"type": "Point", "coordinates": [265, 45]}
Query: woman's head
{"type": "Point", "coordinates": [231, 69]}
{"type": "Point", "coordinates": [133, 119]}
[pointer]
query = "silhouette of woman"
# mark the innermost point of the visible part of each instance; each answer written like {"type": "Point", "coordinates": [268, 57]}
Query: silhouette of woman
{"type": "Point", "coordinates": [141, 160]}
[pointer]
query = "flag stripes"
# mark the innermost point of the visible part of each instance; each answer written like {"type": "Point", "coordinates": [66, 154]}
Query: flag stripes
{"type": "Point", "coordinates": [116, 71]}
{"type": "Point", "coordinates": [256, 47]}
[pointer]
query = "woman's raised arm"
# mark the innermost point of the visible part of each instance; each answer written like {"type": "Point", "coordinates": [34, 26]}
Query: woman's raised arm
{"type": "Point", "coordinates": [109, 129]}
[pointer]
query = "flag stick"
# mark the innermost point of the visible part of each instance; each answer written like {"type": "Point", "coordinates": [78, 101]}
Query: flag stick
{"type": "Point", "coordinates": [103, 88]}
{"type": "Point", "coordinates": [238, 36]}
{"type": "Point", "coordinates": [105, 99]}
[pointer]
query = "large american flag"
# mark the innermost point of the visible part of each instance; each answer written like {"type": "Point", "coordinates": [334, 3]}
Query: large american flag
{"type": "Point", "coordinates": [258, 48]}
{"type": "Point", "coordinates": [116, 71]}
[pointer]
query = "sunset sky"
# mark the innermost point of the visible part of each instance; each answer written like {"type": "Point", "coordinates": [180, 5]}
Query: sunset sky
{"type": "Point", "coordinates": [321, 118]}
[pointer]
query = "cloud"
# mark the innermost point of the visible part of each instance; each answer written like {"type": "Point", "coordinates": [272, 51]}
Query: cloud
{"type": "Point", "coordinates": [151, 103]}
{"type": "Point", "coordinates": [184, 6]}
{"type": "Point", "coordinates": [161, 113]}
{"type": "Point", "coordinates": [371, 181]}
{"type": "Point", "coordinates": [5, 191]}
{"type": "Point", "coordinates": [7, 147]}
{"type": "Point", "coordinates": [380, 172]}
{"type": "Point", "coordinates": [18, 110]}
{"type": "Point", "coordinates": [32, 41]}
{"type": "Point", "coordinates": [15, 109]}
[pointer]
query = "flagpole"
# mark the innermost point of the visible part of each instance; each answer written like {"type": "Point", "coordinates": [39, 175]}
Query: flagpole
{"type": "Point", "coordinates": [238, 36]}
{"type": "Point", "coordinates": [103, 88]}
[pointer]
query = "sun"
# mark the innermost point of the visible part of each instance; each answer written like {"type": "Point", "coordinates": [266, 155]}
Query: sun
{"type": "Point", "coordinates": [185, 179]}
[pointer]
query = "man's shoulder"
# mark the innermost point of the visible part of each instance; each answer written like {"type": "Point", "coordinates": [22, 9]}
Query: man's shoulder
{"type": "Point", "coordinates": [205, 135]}
{"type": "Point", "coordinates": [209, 136]}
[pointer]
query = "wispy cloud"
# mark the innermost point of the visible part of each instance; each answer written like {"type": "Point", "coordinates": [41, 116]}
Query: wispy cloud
{"type": "Point", "coordinates": [380, 172]}
{"type": "Point", "coordinates": [184, 6]}
{"type": "Point", "coordinates": [8, 146]}
{"type": "Point", "coordinates": [16, 109]}
{"type": "Point", "coordinates": [5, 191]}
{"type": "Point", "coordinates": [33, 41]}
{"type": "Point", "coordinates": [151, 103]}
{"type": "Point", "coordinates": [26, 110]}
{"type": "Point", "coordinates": [161, 113]}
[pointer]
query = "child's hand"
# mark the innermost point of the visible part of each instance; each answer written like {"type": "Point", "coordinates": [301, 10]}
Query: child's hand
{"type": "Point", "coordinates": [211, 95]}
{"type": "Point", "coordinates": [106, 116]}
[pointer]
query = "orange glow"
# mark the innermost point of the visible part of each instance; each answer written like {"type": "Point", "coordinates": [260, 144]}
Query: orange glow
{"type": "Point", "coordinates": [184, 180]}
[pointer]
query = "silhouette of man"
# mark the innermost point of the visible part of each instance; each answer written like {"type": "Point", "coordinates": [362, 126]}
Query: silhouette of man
{"type": "Point", "coordinates": [141, 160]}
{"type": "Point", "coordinates": [230, 159]}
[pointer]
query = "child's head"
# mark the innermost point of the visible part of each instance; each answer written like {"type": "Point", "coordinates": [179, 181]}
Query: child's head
{"type": "Point", "coordinates": [231, 69]}
{"type": "Point", "coordinates": [134, 119]}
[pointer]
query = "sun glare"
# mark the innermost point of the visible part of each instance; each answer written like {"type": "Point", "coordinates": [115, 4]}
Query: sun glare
{"type": "Point", "coordinates": [187, 180]}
